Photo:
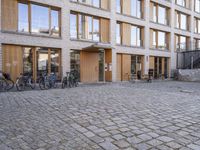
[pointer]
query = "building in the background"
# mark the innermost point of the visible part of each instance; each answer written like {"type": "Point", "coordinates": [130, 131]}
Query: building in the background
{"type": "Point", "coordinates": [105, 40]}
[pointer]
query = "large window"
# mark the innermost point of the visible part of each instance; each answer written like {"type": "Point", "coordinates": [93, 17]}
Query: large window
{"type": "Point", "coordinates": [197, 6]}
{"type": "Point", "coordinates": [136, 8]}
{"type": "Point", "coordinates": [135, 36]}
{"type": "Point", "coordinates": [181, 21]}
{"type": "Point", "coordinates": [160, 14]}
{"type": "Point", "coordinates": [181, 42]}
{"type": "Point", "coordinates": [39, 19]}
{"type": "Point", "coordinates": [43, 19]}
{"type": "Point", "coordinates": [159, 40]}
{"type": "Point", "coordinates": [23, 25]}
{"type": "Point", "coordinates": [118, 33]}
{"type": "Point", "coordinates": [88, 27]}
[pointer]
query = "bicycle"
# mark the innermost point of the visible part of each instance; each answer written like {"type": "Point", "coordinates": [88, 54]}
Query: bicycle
{"type": "Point", "coordinates": [6, 83]}
{"type": "Point", "coordinates": [47, 81]}
{"type": "Point", "coordinates": [71, 79]}
{"type": "Point", "coordinates": [25, 80]}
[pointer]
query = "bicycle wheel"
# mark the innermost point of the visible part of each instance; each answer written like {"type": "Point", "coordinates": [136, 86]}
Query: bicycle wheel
{"type": "Point", "coordinates": [10, 84]}
{"type": "Point", "coordinates": [44, 85]}
{"type": "Point", "coordinates": [64, 83]}
{"type": "Point", "coordinates": [20, 84]}
{"type": "Point", "coordinates": [31, 83]}
{"type": "Point", "coordinates": [3, 85]}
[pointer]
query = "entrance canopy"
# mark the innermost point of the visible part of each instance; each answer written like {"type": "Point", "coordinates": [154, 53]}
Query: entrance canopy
{"type": "Point", "coordinates": [97, 47]}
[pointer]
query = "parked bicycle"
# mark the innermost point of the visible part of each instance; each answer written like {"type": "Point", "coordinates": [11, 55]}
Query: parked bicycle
{"type": "Point", "coordinates": [6, 83]}
{"type": "Point", "coordinates": [71, 79]}
{"type": "Point", "coordinates": [25, 80]}
{"type": "Point", "coordinates": [47, 81]}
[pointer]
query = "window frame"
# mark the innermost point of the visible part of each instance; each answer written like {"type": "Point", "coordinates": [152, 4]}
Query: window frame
{"type": "Point", "coordinates": [50, 8]}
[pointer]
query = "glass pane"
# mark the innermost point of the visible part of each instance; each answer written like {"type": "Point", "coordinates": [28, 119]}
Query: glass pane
{"type": "Point", "coordinates": [81, 27]}
{"type": "Point", "coordinates": [40, 19]}
{"type": "Point", "coordinates": [89, 30]}
{"type": "Point", "coordinates": [96, 3]}
{"type": "Point", "coordinates": [136, 8]}
{"type": "Point", "coordinates": [183, 21]}
{"type": "Point", "coordinates": [28, 60]}
{"type": "Point", "coordinates": [133, 36]}
{"type": "Point", "coordinates": [161, 40]}
{"type": "Point", "coordinates": [75, 61]}
{"type": "Point", "coordinates": [118, 6]}
{"type": "Point", "coordinates": [42, 65]}
{"type": "Point", "coordinates": [73, 26]}
{"type": "Point", "coordinates": [118, 34]}
{"type": "Point", "coordinates": [161, 15]}
{"type": "Point", "coordinates": [55, 62]}
{"type": "Point", "coordinates": [55, 23]}
{"type": "Point", "coordinates": [154, 39]}
{"type": "Point", "coordinates": [96, 30]}
{"type": "Point", "coordinates": [23, 25]}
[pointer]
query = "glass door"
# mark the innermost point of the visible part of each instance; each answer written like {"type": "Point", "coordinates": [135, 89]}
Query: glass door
{"type": "Point", "coordinates": [42, 61]}
{"type": "Point", "coordinates": [101, 66]}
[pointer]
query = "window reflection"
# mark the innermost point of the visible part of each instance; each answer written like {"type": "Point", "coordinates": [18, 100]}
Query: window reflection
{"type": "Point", "coordinates": [23, 25]}
{"type": "Point", "coordinates": [136, 8]}
{"type": "Point", "coordinates": [39, 19]}
{"type": "Point", "coordinates": [73, 25]}
{"type": "Point", "coordinates": [118, 33]}
{"type": "Point", "coordinates": [55, 23]}
{"type": "Point", "coordinates": [135, 36]}
{"type": "Point", "coordinates": [28, 60]}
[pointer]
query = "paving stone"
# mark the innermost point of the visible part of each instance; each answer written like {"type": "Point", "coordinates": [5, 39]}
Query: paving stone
{"type": "Point", "coordinates": [194, 147]}
{"type": "Point", "coordinates": [122, 144]}
{"type": "Point", "coordinates": [174, 145]}
{"type": "Point", "coordinates": [118, 137]}
{"type": "Point", "coordinates": [165, 139]}
{"type": "Point", "coordinates": [108, 146]}
{"type": "Point", "coordinates": [154, 142]}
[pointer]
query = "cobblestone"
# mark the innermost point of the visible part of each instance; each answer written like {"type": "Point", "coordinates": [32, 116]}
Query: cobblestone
{"type": "Point", "coordinates": [102, 117]}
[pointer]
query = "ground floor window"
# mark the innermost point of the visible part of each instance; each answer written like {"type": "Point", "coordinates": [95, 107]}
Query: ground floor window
{"type": "Point", "coordinates": [34, 60]}
{"type": "Point", "coordinates": [75, 61]}
{"type": "Point", "coordinates": [136, 66]}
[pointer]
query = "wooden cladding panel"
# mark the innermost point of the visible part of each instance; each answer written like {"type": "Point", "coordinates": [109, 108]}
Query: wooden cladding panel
{"type": "Point", "coordinates": [105, 4]}
{"type": "Point", "coordinates": [126, 67]}
{"type": "Point", "coordinates": [151, 10]}
{"type": "Point", "coordinates": [9, 10]}
{"type": "Point", "coordinates": [126, 7]}
{"type": "Point", "coordinates": [126, 34]}
{"type": "Point", "coordinates": [12, 60]}
{"type": "Point", "coordinates": [151, 62]}
{"type": "Point", "coordinates": [119, 67]}
{"type": "Point", "coordinates": [151, 38]}
{"type": "Point", "coordinates": [105, 30]}
{"type": "Point", "coordinates": [108, 60]}
{"type": "Point", "coordinates": [89, 67]}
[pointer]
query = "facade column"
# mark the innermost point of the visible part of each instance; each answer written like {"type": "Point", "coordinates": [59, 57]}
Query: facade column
{"type": "Point", "coordinates": [173, 58]}
{"type": "Point", "coordinates": [192, 25]}
{"type": "Point", "coordinates": [146, 36]}
{"type": "Point", "coordinates": [113, 39]}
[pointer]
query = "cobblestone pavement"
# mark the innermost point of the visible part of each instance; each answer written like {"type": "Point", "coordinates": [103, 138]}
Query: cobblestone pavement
{"type": "Point", "coordinates": [161, 115]}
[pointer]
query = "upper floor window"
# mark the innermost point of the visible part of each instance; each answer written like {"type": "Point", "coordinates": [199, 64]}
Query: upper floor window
{"type": "Point", "coordinates": [118, 6]}
{"type": "Point", "coordinates": [182, 21]}
{"type": "Point", "coordinates": [159, 40]}
{"type": "Point", "coordinates": [130, 7]}
{"type": "Point", "coordinates": [136, 8]}
{"type": "Point", "coordinates": [160, 14]}
{"type": "Point", "coordinates": [181, 42]}
{"type": "Point", "coordinates": [118, 33]}
{"type": "Point", "coordinates": [23, 25]}
{"type": "Point", "coordinates": [136, 36]}
{"type": "Point", "coordinates": [197, 25]}
{"type": "Point", "coordinates": [197, 6]}
{"type": "Point", "coordinates": [88, 27]}
{"type": "Point", "coordinates": [181, 2]}
{"type": "Point", "coordinates": [197, 44]}
{"type": "Point", "coordinates": [44, 20]}
{"type": "Point", "coordinates": [96, 3]}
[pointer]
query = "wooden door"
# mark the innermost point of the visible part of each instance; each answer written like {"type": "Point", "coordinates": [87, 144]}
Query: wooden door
{"type": "Point", "coordinates": [119, 67]}
{"type": "Point", "coordinates": [89, 67]}
{"type": "Point", "coordinates": [12, 60]}
{"type": "Point", "coordinates": [126, 67]}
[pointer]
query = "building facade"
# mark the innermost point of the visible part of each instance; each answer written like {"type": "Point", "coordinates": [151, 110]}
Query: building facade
{"type": "Point", "coordinates": [105, 40]}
